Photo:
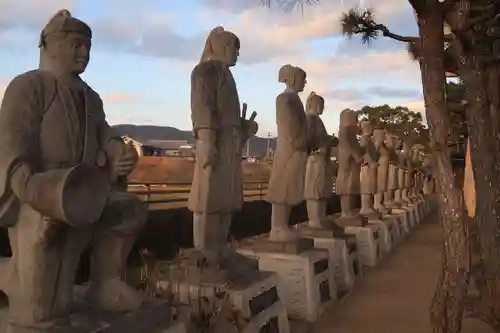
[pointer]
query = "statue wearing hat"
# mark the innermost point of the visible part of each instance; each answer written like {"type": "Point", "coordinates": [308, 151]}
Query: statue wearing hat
{"type": "Point", "coordinates": [221, 130]}
{"type": "Point", "coordinates": [59, 168]}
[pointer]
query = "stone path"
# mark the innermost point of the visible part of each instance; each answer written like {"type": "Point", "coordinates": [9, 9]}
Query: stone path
{"type": "Point", "coordinates": [395, 296]}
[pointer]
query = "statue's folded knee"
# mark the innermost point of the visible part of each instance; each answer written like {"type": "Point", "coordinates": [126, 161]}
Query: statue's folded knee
{"type": "Point", "coordinates": [125, 214]}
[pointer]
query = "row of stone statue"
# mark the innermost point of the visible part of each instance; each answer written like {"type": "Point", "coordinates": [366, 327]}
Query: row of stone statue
{"type": "Point", "coordinates": [62, 173]}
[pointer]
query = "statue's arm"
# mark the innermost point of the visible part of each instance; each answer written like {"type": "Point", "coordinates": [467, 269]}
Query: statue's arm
{"type": "Point", "coordinates": [383, 151]}
{"type": "Point", "coordinates": [204, 88]}
{"type": "Point", "coordinates": [287, 119]}
{"type": "Point", "coordinates": [371, 154]}
{"type": "Point", "coordinates": [20, 121]}
{"type": "Point", "coordinates": [357, 152]}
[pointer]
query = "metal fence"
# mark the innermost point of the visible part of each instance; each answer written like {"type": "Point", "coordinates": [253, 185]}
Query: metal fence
{"type": "Point", "coordinates": [175, 194]}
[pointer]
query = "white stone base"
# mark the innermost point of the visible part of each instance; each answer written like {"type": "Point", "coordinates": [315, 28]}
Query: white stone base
{"type": "Point", "coordinates": [341, 262]}
{"type": "Point", "coordinates": [246, 299]}
{"type": "Point", "coordinates": [368, 246]}
{"type": "Point", "coordinates": [395, 228]}
{"type": "Point", "coordinates": [385, 235]}
{"type": "Point", "coordinates": [405, 216]}
{"type": "Point", "coordinates": [308, 286]}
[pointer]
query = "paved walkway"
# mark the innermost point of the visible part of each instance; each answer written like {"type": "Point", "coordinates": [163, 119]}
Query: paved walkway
{"type": "Point", "coordinates": [395, 296]}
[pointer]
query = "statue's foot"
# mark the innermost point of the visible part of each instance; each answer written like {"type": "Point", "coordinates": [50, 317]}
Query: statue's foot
{"type": "Point", "coordinates": [114, 295]}
{"type": "Point", "coordinates": [282, 235]}
{"type": "Point", "coordinates": [316, 224]}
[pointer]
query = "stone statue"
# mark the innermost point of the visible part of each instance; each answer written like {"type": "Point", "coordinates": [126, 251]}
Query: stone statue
{"type": "Point", "coordinates": [286, 184]}
{"type": "Point", "coordinates": [392, 144]}
{"type": "Point", "coordinates": [319, 171]}
{"type": "Point", "coordinates": [419, 180]}
{"type": "Point", "coordinates": [350, 158]}
{"type": "Point", "coordinates": [399, 200]}
{"type": "Point", "coordinates": [382, 169]}
{"type": "Point", "coordinates": [368, 175]}
{"type": "Point", "coordinates": [416, 163]}
{"type": "Point", "coordinates": [220, 131]}
{"type": "Point", "coordinates": [59, 170]}
{"type": "Point", "coordinates": [407, 167]}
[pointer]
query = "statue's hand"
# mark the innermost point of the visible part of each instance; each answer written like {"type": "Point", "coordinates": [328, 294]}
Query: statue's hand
{"type": "Point", "coordinates": [125, 162]}
{"type": "Point", "coordinates": [250, 128]}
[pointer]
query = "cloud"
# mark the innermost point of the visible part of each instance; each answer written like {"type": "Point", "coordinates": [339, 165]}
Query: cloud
{"type": "Point", "coordinates": [382, 91]}
{"type": "Point", "coordinates": [119, 97]}
{"type": "Point", "coordinates": [345, 94]}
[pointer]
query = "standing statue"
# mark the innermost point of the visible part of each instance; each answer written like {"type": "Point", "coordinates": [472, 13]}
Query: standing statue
{"type": "Point", "coordinates": [286, 184]}
{"type": "Point", "coordinates": [350, 158]}
{"type": "Point", "coordinates": [419, 180]}
{"type": "Point", "coordinates": [382, 169]}
{"type": "Point", "coordinates": [220, 131]}
{"type": "Point", "coordinates": [416, 172]}
{"type": "Point", "coordinates": [392, 144]}
{"type": "Point", "coordinates": [402, 156]}
{"type": "Point", "coordinates": [319, 171]}
{"type": "Point", "coordinates": [429, 183]}
{"type": "Point", "coordinates": [368, 175]}
{"type": "Point", "coordinates": [60, 168]}
{"type": "Point", "coordinates": [407, 166]}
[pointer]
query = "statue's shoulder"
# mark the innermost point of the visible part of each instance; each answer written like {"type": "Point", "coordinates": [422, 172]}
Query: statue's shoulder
{"type": "Point", "coordinates": [30, 79]}
{"type": "Point", "coordinates": [285, 97]}
{"type": "Point", "coordinates": [207, 69]}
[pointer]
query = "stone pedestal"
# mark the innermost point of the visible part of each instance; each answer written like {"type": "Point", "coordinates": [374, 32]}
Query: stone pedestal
{"type": "Point", "coordinates": [152, 316]}
{"type": "Point", "coordinates": [234, 280]}
{"type": "Point", "coordinates": [342, 248]}
{"type": "Point", "coordinates": [351, 221]}
{"type": "Point", "coordinates": [395, 226]}
{"type": "Point", "coordinates": [405, 215]}
{"type": "Point", "coordinates": [257, 300]}
{"type": "Point", "coordinates": [308, 286]}
{"type": "Point", "coordinates": [368, 239]}
{"type": "Point", "coordinates": [385, 234]}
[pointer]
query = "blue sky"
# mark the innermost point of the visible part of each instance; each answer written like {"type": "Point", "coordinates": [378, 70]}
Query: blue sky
{"type": "Point", "coordinates": [143, 53]}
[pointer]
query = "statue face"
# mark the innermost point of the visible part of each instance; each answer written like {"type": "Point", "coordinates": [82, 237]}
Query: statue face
{"type": "Point", "coordinates": [300, 82]}
{"type": "Point", "coordinates": [70, 52]}
{"type": "Point", "coordinates": [232, 52]}
{"type": "Point", "coordinates": [389, 140]}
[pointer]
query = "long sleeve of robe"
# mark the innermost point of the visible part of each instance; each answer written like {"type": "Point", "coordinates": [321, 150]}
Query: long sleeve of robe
{"type": "Point", "coordinates": [20, 118]}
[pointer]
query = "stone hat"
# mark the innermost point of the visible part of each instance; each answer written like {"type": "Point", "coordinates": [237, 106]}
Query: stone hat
{"type": "Point", "coordinates": [62, 21]}
{"type": "Point", "coordinates": [217, 40]}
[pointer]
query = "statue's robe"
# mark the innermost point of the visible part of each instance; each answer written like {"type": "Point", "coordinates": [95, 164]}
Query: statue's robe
{"type": "Point", "coordinates": [392, 175]}
{"type": "Point", "coordinates": [215, 106]}
{"type": "Point", "coordinates": [368, 174]}
{"type": "Point", "coordinates": [286, 183]}
{"type": "Point", "coordinates": [349, 158]}
{"type": "Point", "coordinates": [319, 169]}
{"type": "Point", "coordinates": [42, 126]}
{"type": "Point", "coordinates": [383, 168]}
{"type": "Point", "coordinates": [402, 170]}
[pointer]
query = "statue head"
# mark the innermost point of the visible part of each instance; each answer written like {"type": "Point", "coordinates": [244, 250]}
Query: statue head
{"type": "Point", "coordinates": [378, 136]}
{"type": "Point", "coordinates": [65, 44]}
{"type": "Point", "coordinates": [390, 140]}
{"type": "Point", "coordinates": [315, 104]}
{"type": "Point", "coordinates": [367, 127]}
{"type": "Point", "coordinates": [397, 142]}
{"type": "Point", "coordinates": [221, 45]}
{"type": "Point", "coordinates": [349, 120]}
{"type": "Point", "coordinates": [294, 77]}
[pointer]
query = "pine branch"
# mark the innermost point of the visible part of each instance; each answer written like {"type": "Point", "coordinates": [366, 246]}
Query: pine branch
{"type": "Point", "coordinates": [362, 23]}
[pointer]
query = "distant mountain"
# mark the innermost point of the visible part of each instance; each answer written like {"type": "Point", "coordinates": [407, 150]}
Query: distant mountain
{"type": "Point", "coordinates": [258, 145]}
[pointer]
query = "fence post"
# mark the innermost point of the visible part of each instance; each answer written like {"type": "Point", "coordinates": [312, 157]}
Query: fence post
{"type": "Point", "coordinates": [148, 194]}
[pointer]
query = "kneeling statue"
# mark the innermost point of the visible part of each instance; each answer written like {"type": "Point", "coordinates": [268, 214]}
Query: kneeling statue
{"type": "Point", "coordinates": [59, 170]}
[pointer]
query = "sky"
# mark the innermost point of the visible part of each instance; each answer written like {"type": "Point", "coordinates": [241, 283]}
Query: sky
{"type": "Point", "coordinates": [144, 50]}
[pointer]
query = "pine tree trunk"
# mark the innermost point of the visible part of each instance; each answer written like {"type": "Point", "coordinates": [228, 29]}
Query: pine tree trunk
{"type": "Point", "coordinates": [449, 298]}
{"type": "Point", "coordinates": [484, 127]}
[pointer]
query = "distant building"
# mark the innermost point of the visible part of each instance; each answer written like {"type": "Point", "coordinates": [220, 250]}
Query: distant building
{"type": "Point", "coordinates": [177, 148]}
